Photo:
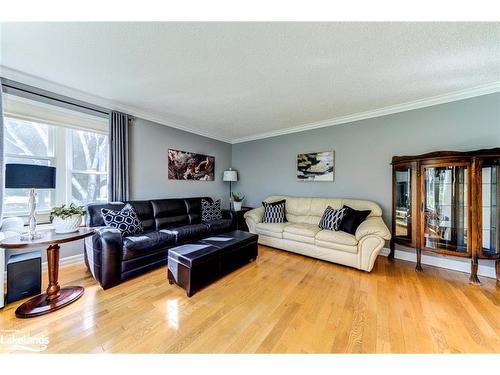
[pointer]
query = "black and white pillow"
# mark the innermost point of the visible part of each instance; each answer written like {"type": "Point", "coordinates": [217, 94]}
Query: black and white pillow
{"type": "Point", "coordinates": [274, 212]}
{"type": "Point", "coordinates": [210, 211]}
{"type": "Point", "coordinates": [125, 220]}
{"type": "Point", "coordinates": [332, 218]}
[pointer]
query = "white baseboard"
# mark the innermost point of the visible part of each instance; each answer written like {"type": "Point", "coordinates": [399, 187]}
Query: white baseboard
{"type": "Point", "coordinates": [63, 263]}
{"type": "Point", "coordinates": [66, 261]}
{"type": "Point", "coordinates": [450, 263]}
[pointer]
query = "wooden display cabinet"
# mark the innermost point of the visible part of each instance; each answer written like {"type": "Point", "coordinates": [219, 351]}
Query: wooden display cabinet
{"type": "Point", "coordinates": [448, 202]}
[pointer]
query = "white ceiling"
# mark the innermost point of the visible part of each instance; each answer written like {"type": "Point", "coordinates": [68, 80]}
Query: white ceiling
{"type": "Point", "coordinates": [237, 81]}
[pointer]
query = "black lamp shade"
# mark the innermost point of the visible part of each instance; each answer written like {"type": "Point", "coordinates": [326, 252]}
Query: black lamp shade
{"type": "Point", "coordinates": [27, 176]}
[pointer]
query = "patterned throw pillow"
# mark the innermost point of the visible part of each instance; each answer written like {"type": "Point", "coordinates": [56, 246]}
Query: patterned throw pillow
{"type": "Point", "coordinates": [210, 211]}
{"type": "Point", "coordinates": [274, 212]}
{"type": "Point", "coordinates": [332, 218]}
{"type": "Point", "coordinates": [125, 220]}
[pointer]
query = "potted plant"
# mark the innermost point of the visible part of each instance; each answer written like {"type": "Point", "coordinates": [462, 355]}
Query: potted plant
{"type": "Point", "coordinates": [67, 219]}
{"type": "Point", "coordinates": [237, 201]}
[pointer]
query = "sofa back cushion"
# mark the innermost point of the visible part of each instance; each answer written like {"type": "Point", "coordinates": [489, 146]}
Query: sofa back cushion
{"type": "Point", "coordinates": [154, 214]}
{"type": "Point", "coordinates": [194, 209]}
{"type": "Point", "coordinates": [309, 210]}
{"type": "Point", "coordinates": [144, 210]}
{"type": "Point", "coordinates": [169, 213]}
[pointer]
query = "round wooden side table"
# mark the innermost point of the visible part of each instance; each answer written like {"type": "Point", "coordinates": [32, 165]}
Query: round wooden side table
{"type": "Point", "coordinates": [55, 297]}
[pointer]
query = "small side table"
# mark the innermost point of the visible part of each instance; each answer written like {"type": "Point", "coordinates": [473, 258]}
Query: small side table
{"type": "Point", "coordinates": [55, 297]}
{"type": "Point", "coordinates": [240, 220]}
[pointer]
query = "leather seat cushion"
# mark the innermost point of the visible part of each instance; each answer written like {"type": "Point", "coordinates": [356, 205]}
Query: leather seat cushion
{"type": "Point", "coordinates": [145, 243]}
{"type": "Point", "coordinates": [187, 232]}
{"type": "Point", "coordinates": [219, 225]}
{"type": "Point", "coordinates": [306, 230]}
{"type": "Point", "coordinates": [271, 229]}
{"type": "Point", "coordinates": [335, 236]}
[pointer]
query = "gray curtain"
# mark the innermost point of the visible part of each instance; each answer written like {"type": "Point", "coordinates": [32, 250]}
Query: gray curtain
{"type": "Point", "coordinates": [118, 157]}
{"type": "Point", "coordinates": [2, 165]}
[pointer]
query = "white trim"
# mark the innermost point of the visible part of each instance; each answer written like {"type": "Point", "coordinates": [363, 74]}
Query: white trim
{"type": "Point", "coordinates": [57, 88]}
{"type": "Point", "coordinates": [41, 83]}
{"type": "Point", "coordinates": [66, 262]}
{"type": "Point", "coordinates": [441, 261]}
{"type": "Point", "coordinates": [472, 92]}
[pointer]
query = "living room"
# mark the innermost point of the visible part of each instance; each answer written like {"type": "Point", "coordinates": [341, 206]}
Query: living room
{"type": "Point", "coordinates": [250, 187]}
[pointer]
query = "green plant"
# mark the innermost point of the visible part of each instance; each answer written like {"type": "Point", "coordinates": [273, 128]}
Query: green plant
{"type": "Point", "coordinates": [64, 212]}
{"type": "Point", "coordinates": [238, 197]}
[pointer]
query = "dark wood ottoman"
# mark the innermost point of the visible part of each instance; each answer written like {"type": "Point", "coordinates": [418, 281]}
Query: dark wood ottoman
{"type": "Point", "coordinates": [195, 265]}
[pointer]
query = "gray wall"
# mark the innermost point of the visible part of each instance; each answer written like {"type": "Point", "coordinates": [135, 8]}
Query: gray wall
{"type": "Point", "coordinates": [149, 143]}
{"type": "Point", "coordinates": [363, 150]}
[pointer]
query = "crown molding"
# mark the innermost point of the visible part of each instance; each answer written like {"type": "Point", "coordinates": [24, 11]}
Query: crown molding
{"type": "Point", "coordinates": [44, 84]}
{"type": "Point", "coordinates": [57, 88]}
{"type": "Point", "coordinates": [489, 88]}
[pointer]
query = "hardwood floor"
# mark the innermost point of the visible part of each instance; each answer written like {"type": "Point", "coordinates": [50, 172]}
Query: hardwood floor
{"type": "Point", "coordinates": [282, 303]}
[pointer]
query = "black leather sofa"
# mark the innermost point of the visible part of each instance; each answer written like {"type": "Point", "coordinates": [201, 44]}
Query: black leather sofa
{"type": "Point", "coordinates": [113, 258]}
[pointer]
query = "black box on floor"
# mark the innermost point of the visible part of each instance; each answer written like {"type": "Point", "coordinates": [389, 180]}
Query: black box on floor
{"type": "Point", "coordinates": [24, 275]}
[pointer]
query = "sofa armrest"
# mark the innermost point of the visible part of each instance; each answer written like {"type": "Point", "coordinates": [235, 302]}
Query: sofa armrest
{"type": "Point", "coordinates": [103, 256]}
{"type": "Point", "coordinates": [253, 217]}
{"type": "Point", "coordinates": [373, 226]}
{"type": "Point", "coordinates": [230, 214]}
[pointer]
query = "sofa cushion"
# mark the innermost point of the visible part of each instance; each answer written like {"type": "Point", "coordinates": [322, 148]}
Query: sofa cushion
{"type": "Point", "coordinates": [219, 225]}
{"type": "Point", "coordinates": [298, 238]}
{"type": "Point", "coordinates": [210, 211]}
{"type": "Point", "coordinates": [331, 218]}
{"type": "Point", "coordinates": [144, 211]}
{"type": "Point", "coordinates": [170, 213]}
{"type": "Point", "coordinates": [142, 244]}
{"type": "Point", "coordinates": [271, 229]}
{"type": "Point", "coordinates": [274, 212]}
{"type": "Point", "coordinates": [339, 237]}
{"type": "Point", "coordinates": [352, 219]}
{"type": "Point", "coordinates": [307, 230]}
{"type": "Point", "coordinates": [187, 232]}
{"type": "Point", "coordinates": [125, 220]}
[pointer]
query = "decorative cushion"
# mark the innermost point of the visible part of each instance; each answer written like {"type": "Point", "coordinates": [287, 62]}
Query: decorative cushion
{"type": "Point", "coordinates": [274, 212]}
{"type": "Point", "coordinates": [125, 220]}
{"type": "Point", "coordinates": [210, 211]}
{"type": "Point", "coordinates": [332, 218]}
{"type": "Point", "coordinates": [352, 219]}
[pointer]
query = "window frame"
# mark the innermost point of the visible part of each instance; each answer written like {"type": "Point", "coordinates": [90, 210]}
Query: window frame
{"type": "Point", "coordinates": [62, 159]}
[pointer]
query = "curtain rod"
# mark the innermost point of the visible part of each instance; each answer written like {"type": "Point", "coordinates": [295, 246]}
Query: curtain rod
{"type": "Point", "coordinates": [17, 86]}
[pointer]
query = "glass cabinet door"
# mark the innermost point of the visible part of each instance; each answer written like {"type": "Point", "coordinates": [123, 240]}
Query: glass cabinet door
{"type": "Point", "coordinates": [490, 218]}
{"type": "Point", "coordinates": [402, 204]}
{"type": "Point", "coordinates": [445, 208]}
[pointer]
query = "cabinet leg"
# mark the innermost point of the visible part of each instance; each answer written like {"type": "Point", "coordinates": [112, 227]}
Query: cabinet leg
{"type": "Point", "coordinates": [392, 246]}
{"type": "Point", "coordinates": [497, 267]}
{"type": "Point", "coordinates": [473, 271]}
{"type": "Point", "coordinates": [418, 268]}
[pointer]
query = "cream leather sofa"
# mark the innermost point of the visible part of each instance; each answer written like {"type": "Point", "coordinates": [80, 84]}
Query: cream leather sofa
{"type": "Point", "coordinates": [301, 234]}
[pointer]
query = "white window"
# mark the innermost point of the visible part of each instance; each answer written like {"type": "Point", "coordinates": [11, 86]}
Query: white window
{"type": "Point", "coordinates": [28, 142]}
{"type": "Point", "coordinates": [88, 166]}
{"type": "Point", "coordinates": [45, 135]}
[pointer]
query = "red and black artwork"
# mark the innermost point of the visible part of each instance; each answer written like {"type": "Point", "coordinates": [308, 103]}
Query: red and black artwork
{"type": "Point", "coordinates": [184, 165]}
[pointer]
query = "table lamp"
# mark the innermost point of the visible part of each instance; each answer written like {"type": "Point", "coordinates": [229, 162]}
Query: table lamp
{"type": "Point", "coordinates": [27, 176]}
{"type": "Point", "coordinates": [231, 176]}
